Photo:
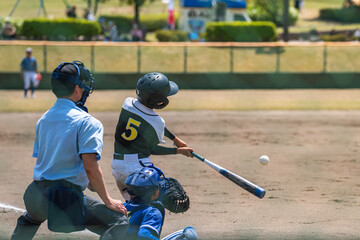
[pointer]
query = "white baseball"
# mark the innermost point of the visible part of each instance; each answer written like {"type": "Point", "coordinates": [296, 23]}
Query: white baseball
{"type": "Point", "coordinates": [264, 160]}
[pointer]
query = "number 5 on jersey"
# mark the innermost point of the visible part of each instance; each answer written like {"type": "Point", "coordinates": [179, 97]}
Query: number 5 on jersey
{"type": "Point", "coordinates": [133, 132]}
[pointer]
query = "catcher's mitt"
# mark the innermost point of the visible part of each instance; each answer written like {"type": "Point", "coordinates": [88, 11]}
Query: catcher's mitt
{"type": "Point", "coordinates": [175, 199]}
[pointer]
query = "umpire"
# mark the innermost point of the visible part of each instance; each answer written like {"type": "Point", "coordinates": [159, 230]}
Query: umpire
{"type": "Point", "coordinates": [68, 144]}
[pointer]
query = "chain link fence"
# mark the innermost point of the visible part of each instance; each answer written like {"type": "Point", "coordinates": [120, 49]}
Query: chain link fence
{"type": "Point", "coordinates": [188, 57]}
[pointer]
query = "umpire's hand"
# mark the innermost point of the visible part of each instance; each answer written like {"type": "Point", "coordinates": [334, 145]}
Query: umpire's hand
{"type": "Point", "coordinates": [116, 205]}
{"type": "Point", "coordinates": [96, 179]}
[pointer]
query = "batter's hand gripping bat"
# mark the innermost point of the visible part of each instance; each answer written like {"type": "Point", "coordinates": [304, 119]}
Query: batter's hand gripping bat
{"type": "Point", "coordinates": [240, 181]}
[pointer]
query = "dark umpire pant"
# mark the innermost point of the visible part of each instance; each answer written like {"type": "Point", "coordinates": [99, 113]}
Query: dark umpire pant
{"type": "Point", "coordinates": [107, 223]}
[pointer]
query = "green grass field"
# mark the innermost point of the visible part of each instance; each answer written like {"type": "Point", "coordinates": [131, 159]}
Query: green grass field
{"type": "Point", "coordinates": [191, 100]}
{"type": "Point", "coordinates": [56, 9]}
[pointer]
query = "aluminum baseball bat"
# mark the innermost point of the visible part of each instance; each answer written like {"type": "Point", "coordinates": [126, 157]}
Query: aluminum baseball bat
{"type": "Point", "coordinates": [240, 181]}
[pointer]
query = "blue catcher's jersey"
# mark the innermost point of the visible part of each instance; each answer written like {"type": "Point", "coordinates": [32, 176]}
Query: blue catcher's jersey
{"type": "Point", "coordinates": [145, 223]}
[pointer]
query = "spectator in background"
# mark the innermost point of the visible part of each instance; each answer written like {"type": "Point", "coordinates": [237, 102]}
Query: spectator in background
{"type": "Point", "coordinates": [71, 12]}
{"type": "Point", "coordinates": [8, 32]}
{"type": "Point", "coordinates": [91, 16]}
{"type": "Point", "coordinates": [29, 71]}
{"type": "Point", "coordinates": [357, 34]}
{"type": "Point", "coordinates": [101, 36]}
{"type": "Point", "coordinates": [299, 4]}
{"type": "Point", "coordinates": [86, 13]}
{"type": "Point", "coordinates": [195, 26]}
{"type": "Point", "coordinates": [113, 32]}
{"type": "Point", "coordinates": [101, 21]}
{"type": "Point", "coordinates": [136, 33]}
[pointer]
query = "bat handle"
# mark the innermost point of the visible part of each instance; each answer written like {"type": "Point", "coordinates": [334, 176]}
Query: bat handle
{"type": "Point", "coordinates": [197, 156]}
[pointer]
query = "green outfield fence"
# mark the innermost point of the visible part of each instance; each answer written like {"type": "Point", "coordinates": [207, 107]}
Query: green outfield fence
{"type": "Point", "coordinates": [195, 65]}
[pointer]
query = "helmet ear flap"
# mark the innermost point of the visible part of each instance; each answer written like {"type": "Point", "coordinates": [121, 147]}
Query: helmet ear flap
{"type": "Point", "coordinates": [152, 100]}
{"type": "Point", "coordinates": [163, 103]}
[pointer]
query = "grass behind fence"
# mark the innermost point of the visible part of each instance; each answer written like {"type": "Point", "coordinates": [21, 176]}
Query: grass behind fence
{"type": "Point", "coordinates": [199, 59]}
{"type": "Point", "coordinates": [197, 100]}
{"type": "Point", "coordinates": [341, 59]}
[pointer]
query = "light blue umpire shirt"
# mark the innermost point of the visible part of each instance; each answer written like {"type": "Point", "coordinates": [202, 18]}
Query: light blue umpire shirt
{"type": "Point", "coordinates": [62, 134]}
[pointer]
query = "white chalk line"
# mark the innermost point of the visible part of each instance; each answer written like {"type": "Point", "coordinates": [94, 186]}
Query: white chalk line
{"type": "Point", "coordinates": [20, 210]}
{"type": "Point", "coordinates": [11, 208]}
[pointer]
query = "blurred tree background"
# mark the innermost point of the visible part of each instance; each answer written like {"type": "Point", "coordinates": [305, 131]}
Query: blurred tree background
{"type": "Point", "coordinates": [94, 4]}
{"type": "Point", "coordinates": [137, 5]}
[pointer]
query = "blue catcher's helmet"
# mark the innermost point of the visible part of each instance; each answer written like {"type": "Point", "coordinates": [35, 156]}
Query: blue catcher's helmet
{"type": "Point", "coordinates": [142, 184]}
{"type": "Point", "coordinates": [153, 89]}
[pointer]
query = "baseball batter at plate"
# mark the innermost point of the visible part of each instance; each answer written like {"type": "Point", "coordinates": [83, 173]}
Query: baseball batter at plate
{"type": "Point", "coordinates": [140, 129]}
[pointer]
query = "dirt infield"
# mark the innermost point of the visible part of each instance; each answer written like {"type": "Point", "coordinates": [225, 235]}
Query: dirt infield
{"type": "Point", "coordinates": [312, 180]}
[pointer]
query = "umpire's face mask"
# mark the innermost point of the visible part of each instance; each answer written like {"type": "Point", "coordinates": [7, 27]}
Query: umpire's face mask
{"type": "Point", "coordinates": [81, 102]}
{"type": "Point", "coordinates": [87, 84]}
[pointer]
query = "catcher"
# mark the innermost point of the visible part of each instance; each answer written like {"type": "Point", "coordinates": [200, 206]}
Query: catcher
{"type": "Point", "coordinates": [146, 213]}
{"type": "Point", "coordinates": [140, 129]}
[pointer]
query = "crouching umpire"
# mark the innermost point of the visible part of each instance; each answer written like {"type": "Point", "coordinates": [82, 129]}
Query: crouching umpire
{"type": "Point", "coordinates": [68, 144]}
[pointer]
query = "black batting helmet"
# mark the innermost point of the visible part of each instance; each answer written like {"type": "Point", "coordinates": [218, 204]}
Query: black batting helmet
{"type": "Point", "coordinates": [153, 89]}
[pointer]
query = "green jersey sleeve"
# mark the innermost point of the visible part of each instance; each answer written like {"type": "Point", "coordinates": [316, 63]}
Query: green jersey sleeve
{"type": "Point", "coordinates": [169, 134]}
{"type": "Point", "coordinates": [160, 150]}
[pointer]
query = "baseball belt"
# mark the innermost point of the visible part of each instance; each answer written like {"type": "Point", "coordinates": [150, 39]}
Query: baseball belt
{"type": "Point", "coordinates": [119, 156]}
{"type": "Point", "coordinates": [63, 183]}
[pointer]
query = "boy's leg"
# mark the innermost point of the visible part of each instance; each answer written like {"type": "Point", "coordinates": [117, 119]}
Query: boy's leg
{"type": "Point", "coordinates": [107, 223]}
{"type": "Point", "coordinates": [34, 84]}
{"type": "Point", "coordinates": [123, 168]}
{"type": "Point", "coordinates": [26, 83]}
{"type": "Point", "coordinates": [32, 91]}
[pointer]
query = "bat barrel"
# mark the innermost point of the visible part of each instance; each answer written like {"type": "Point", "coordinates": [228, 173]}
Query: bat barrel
{"type": "Point", "coordinates": [260, 192]}
{"type": "Point", "coordinates": [240, 181]}
{"type": "Point", "coordinates": [244, 183]}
